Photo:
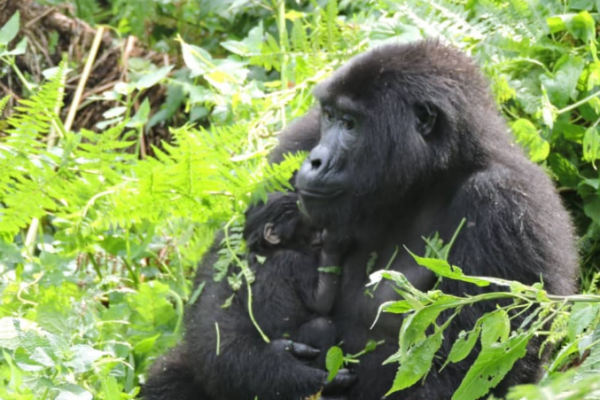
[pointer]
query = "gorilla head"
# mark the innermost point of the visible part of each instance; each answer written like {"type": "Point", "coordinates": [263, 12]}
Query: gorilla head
{"type": "Point", "coordinates": [278, 223]}
{"type": "Point", "coordinates": [393, 120]}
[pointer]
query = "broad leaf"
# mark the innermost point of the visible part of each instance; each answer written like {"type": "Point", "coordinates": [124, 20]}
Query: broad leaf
{"type": "Point", "coordinates": [490, 367]}
{"type": "Point", "coordinates": [334, 361]}
{"type": "Point", "coordinates": [417, 362]}
{"type": "Point", "coordinates": [582, 315]}
{"type": "Point", "coordinates": [10, 30]}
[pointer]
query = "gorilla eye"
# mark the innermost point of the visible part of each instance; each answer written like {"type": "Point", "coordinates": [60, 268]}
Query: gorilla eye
{"type": "Point", "coordinates": [327, 114]}
{"type": "Point", "coordinates": [348, 123]}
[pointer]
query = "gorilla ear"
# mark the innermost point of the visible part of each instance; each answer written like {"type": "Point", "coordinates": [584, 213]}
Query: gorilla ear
{"type": "Point", "coordinates": [426, 115]}
{"type": "Point", "coordinates": [270, 235]}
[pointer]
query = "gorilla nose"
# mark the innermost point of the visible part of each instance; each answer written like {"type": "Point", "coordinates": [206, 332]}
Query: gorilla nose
{"type": "Point", "coordinates": [318, 158]}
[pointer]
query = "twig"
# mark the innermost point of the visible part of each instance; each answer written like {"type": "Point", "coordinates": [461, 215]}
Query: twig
{"type": "Point", "coordinates": [82, 82]}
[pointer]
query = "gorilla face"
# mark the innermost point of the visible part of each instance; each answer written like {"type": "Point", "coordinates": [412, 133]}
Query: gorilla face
{"type": "Point", "coordinates": [377, 141]}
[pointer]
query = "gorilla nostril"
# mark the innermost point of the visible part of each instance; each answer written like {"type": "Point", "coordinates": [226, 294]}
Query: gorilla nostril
{"type": "Point", "coordinates": [316, 164]}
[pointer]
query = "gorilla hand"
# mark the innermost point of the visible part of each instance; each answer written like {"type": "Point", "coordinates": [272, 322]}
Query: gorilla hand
{"type": "Point", "coordinates": [332, 390]}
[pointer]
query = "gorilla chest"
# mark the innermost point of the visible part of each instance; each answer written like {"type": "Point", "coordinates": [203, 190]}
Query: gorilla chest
{"type": "Point", "coordinates": [357, 304]}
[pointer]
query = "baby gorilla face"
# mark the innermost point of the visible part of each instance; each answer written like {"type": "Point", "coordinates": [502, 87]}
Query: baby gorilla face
{"type": "Point", "coordinates": [279, 223]}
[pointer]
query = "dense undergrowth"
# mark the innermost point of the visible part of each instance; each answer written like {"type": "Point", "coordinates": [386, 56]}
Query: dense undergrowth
{"type": "Point", "coordinates": [98, 242]}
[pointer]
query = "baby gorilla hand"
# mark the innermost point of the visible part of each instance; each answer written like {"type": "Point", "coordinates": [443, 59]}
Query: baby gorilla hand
{"type": "Point", "coordinates": [333, 390]}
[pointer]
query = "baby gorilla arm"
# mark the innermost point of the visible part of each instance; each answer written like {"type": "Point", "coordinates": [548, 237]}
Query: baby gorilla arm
{"type": "Point", "coordinates": [321, 298]}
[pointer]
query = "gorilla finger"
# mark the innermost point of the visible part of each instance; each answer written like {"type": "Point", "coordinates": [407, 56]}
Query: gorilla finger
{"type": "Point", "coordinates": [301, 350]}
{"type": "Point", "coordinates": [342, 381]}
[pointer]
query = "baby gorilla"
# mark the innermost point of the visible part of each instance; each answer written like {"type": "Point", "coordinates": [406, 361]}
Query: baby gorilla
{"type": "Point", "coordinates": [294, 289]}
{"type": "Point", "coordinates": [291, 302]}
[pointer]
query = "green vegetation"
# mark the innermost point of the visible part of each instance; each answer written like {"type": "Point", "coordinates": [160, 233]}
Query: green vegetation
{"type": "Point", "coordinates": [100, 232]}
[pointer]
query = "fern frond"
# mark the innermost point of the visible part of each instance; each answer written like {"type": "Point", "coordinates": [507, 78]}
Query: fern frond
{"type": "Point", "coordinates": [3, 103]}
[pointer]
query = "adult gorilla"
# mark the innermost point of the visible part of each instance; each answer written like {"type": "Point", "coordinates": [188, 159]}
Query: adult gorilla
{"type": "Point", "coordinates": [407, 142]}
{"type": "Point", "coordinates": [410, 143]}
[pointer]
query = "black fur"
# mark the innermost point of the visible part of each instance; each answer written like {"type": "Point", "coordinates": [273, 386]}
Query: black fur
{"type": "Point", "coordinates": [291, 300]}
{"type": "Point", "coordinates": [409, 143]}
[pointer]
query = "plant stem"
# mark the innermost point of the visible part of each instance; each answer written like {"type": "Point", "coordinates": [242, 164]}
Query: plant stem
{"type": "Point", "coordinates": [245, 273]}
{"type": "Point", "coordinates": [284, 56]}
{"type": "Point", "coordinates": [579, 103]}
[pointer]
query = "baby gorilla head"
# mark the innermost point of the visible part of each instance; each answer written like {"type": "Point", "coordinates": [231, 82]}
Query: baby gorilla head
{"type": "Point", "coordinates": [278, 223]}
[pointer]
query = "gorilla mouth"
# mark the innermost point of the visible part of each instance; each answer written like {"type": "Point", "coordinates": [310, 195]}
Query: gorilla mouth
{"type": "Point", "coordinates": [319, 194]}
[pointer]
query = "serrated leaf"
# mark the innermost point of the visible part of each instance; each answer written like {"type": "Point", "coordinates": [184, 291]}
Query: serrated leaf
{"type": "Point", "coordinates": [580, 318]}
{"type": "Point", "coordinates": [443, 268]}
{"type": "Point", "coordinates": [491, 366]}
{"type": "Point", "coordinates": [414, 326]}
{"type": "Point", "coordinates": [417, 362]}
{"type": "Point", "coordinates": [562, 86]}
{"type": "Point", "coordinates": [334, 361]}
{"type": "Point", "coordinates": [10, 30]}
{"type": "Point", "coordinates": [591, 145]}
{"type": "Point", "coordinates": [463, 345]}
{"type": "Point", "coordinates": [495, 327]}
{"type": "Point", "coordinates": [527, 136]}
{"type": "Point", "coordinates": [591, 365]}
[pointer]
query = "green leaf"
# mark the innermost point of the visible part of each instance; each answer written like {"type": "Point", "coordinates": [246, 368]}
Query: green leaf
{"type": "Point", "coordinates": [490, 367]}
{"type": "Point", "coordinates": [83, 358]}
{"type": "Point", "coordinates": [398, 307]}
{"type": "Point", "coordinates": [334, 361]}
{"type": "Point", "coordinates": [141, 117]}
{"type": "Point", "coordinates": [414, 327]}
{"type": "Point", "coordinates": [144, 346]}
{"type": "Point", "coordinates": [330, 270]}
{"type": "Point", "coordinates": [19, 49]}
{"type": "Point", "coordinates": [591, 365]}
{"type": "Point", "coordinates": [151, 79]}
{"type": "Point", "coordinates": [443, 268]}
{"type": "Point", "coordinates": [111, 389]}
{"type": "Point", "coordinates": [582, 315]}
{"type": "Point", "coordinates": [71, 391]}
{"type": "Point", "coordinates": [495, 327]}
{"type": "Point", "coordinates": [567, 173]}
{"type": "Point", "coordinates": [196, 59]}
{"type": "Point", "coordinates": [562, 86]}
{"type": "Point", "coordinates": [527, 136]}
{"type": "Point", "coordinates": [463, 345]}
{"type": "Point", "coordinates": [10, 30]}
{"type": "Point", "coordinates": [591, 145]}
{"type": "Point", "coordinates": [582, 26]}
{"type": "Point", "coordinates": [10, 329]}
{"type": "Point", "coordinates": [194, 297]}
{"type": "Point", "coordinates": [417, 362]}
{"type": "Point", "coordinates": [592, 209]}
{"type": "Point", "coordinates": [236, 47]}
{"type": "Point", "coordinates": [41, 356]}
{"type": "Point", "coordinates": [556, 24]}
